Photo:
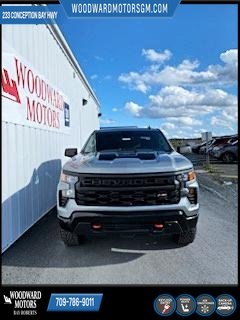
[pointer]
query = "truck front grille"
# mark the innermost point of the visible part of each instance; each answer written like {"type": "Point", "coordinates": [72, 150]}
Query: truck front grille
{"type": "Point", "coordinates": [127, 190]}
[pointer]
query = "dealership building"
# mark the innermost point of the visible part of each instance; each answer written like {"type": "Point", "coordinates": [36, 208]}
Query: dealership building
{"type": "Point", "coordinates": [47, 106]}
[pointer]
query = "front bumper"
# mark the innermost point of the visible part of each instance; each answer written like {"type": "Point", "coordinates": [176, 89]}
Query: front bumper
{"type": "Point", "coordinates": [174, 222]}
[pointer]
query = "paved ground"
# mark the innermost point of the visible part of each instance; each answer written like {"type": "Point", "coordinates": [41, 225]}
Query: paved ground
{"type": "Point", "coordinates": [225, 172]}
{"type": "Point", "coordinates": [40, 257]}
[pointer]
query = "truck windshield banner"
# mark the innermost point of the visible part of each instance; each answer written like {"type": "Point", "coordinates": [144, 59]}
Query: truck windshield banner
{"type": "Point", "coordinates": [29, 98]}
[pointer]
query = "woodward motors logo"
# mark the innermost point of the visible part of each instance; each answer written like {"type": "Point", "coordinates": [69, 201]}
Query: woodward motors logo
{"type": "Point", "coordinates": [29, 98]}
{"type": "Point", "coordinates": [9, 87]}
{"type": "Point", "coordinates": [23, 302]}
{"type": "Point", "coordinates": [7, 300]}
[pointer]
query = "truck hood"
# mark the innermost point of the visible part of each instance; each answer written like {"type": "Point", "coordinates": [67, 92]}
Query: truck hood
{"type": "Point", "coordinates": [162, 162]}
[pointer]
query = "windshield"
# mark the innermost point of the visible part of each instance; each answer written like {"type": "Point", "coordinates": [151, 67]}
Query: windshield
{"type": "Point", "coordinates": [132, 141]}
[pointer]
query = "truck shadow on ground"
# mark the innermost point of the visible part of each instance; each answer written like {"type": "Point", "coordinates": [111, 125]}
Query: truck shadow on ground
{"type": "Point", "coordinates": [42, 247]}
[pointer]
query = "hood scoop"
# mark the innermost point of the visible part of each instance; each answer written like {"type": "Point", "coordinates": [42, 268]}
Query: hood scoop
{"type": "Point", "coordinates": [109, 156]}
{"type": "Point", "coordinates": [146, 155]}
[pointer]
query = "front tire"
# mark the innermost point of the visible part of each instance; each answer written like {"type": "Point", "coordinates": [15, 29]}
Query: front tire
{"type": "Point", "coordinates": [70, 239]}
{"type": "Point", "coordinates": [185, 238]}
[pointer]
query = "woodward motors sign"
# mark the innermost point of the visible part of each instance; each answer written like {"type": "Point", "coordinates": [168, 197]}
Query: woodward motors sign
{"type": "Point", "coordinates": [23, 302]}
{"type": "Point", "coordinates": [28, 98]}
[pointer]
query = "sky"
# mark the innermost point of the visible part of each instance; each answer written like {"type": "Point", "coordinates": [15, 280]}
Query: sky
{"type": "Point", "coordinates": [178, 74]}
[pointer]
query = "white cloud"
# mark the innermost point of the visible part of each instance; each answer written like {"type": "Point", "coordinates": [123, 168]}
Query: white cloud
{"type": "Point", "coordinates": [101, 78]}
{"type": "Point", "coordinates": [181, 133]}
{"type": "Point", "coordinates": [108, 77]}
{"type": "Point", "coordinates": [188, 65]}
{"type": "Point", "coordinates": [141, 87]}
{"type": "Point", "coordinates": [154, 56]}
{"type": "Point", "coordinates": [230, 56]}
{"type": "Point", "coordinates": [184, 93]}
{"type": "Point", "coordinates": [188, 121]}
{"type": "Point", "coordinates": [231, 115]}
{"type": "Point", "coordinates": [227, 118]}
{"type": "Point", "coordinates": [94, 76]}
{"type": "Point", "coordinates": [115, 109]}
{"type": "Point", "coordinates": [107, 121]}
{"type": "Point", "coordinates": [182, 127]}
{"type": "Point", "coordinates": [181, 108]}
{"type": "Point", "coordinates": [133, 108]}
{"type": "Point", "coordinates": [221, 122]}
{"type": "Point", "coordinates": [167, 126]}
{"type": "Point", "coordinates": [183, 104]}
{"type": "Point", "coordinates": [134, 81]}
{"type": "Point", "coordinates": [98, 58]}
{"type": "Point", "coordinates": [203, 130]}
{"type": "Point", "coordinates": [184, 74]}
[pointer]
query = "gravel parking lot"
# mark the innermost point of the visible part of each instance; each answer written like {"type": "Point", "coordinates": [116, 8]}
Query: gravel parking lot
{"type": "Point", "coordinates": [40, 257]}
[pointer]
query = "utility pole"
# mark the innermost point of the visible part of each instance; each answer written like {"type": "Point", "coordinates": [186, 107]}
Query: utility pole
{"type": "Point", "coordinates": [207, 136]}
{"type": "Point", "coordinates": [207, 152]}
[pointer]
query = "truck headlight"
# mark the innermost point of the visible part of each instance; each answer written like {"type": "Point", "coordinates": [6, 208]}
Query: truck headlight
{"type": "Point", "coordinates": [70, 193]}
{"type": "Point", "coordinates": [68, 187]}
{"type": "Point", "coordinates": [187, 176]}
{"type": "Point", "coordinates": [68, 179]}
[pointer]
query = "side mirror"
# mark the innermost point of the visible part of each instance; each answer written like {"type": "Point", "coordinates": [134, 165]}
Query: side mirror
{"type": "Point", "coordinates": [71, 152]}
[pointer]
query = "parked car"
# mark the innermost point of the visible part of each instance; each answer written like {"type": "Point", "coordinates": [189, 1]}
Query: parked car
{"type": "Point", "coordinates": [220, 143]}
{"type": "Point", "coordinates": [203, 149]}
{"type": "Point", "coordinates": [127, 181]}
{"type": "Point", "coordinates": [213, 143]}
{"type": "Point", "coordinates": [185, 149]}
{"type": "Point", "coordinates": [197, 147]}
{"type": "Point", "coordinates": [227, 153]}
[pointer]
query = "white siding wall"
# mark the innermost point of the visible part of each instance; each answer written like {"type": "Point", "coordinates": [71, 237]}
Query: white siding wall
{"type": "Point", "coordinates": [32, 157]}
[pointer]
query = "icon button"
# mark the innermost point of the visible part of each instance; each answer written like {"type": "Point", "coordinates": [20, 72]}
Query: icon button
{"type": "Point", "coordinates": [186, 305]}
{"type": "Point", "coordinates": [206, 305]}
{"type": "Point", "coordinates": [165, 305]}
{"type": "Point", "coordinates": [226, 305]}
